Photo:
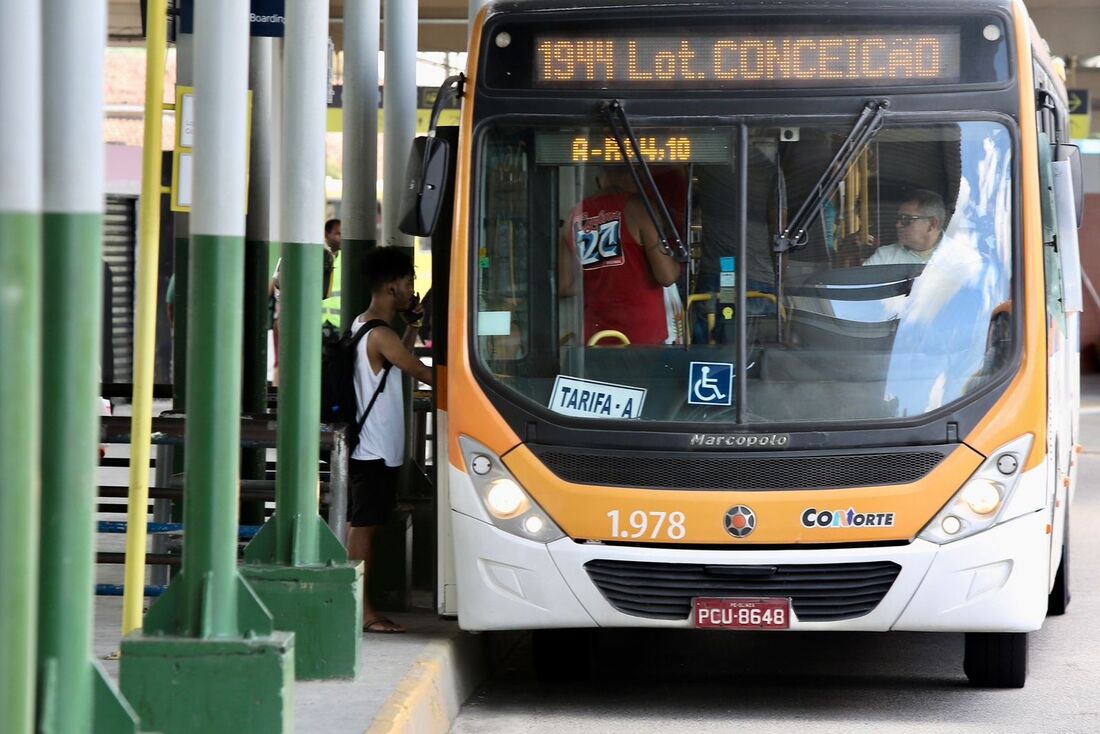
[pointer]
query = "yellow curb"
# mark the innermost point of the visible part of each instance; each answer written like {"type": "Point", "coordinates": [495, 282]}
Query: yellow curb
{"type": "Point", "coordinates": [430, 695]}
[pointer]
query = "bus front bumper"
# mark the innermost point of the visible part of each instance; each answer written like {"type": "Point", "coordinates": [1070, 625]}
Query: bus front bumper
{"type": "Point", "coordinates": [995, 581]}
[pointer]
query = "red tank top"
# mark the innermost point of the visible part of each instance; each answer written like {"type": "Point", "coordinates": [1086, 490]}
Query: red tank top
{"type": "Point", "coordinates": [620, 292]}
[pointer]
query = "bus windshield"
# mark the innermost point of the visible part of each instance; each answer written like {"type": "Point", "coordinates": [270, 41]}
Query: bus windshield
{"type": "Point", "coordinates": [897, 303]}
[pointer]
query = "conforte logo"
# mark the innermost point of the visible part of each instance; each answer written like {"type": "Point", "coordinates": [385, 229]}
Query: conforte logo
{"type": "Point", "coordinates": [815, 518]}
{"type": "Point", "coordinates": [739, 441]}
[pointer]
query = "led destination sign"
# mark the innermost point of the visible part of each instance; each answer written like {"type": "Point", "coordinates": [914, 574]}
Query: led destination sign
{"type": "Point", "coordinates": [912, 56]}
{"type": "Point", "coordinates": [656, 146]}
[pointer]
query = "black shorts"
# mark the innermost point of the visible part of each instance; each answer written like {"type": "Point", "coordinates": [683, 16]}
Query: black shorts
{"type": "Point", "coordinates": [373, 490]}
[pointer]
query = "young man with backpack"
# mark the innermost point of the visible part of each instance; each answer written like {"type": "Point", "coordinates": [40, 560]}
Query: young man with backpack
{"type": "Point", "coordinates": [377, 458]}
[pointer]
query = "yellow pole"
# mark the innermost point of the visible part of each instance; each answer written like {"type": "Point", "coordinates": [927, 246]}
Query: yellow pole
{"type": "Point", "coordinates": [145, 328]}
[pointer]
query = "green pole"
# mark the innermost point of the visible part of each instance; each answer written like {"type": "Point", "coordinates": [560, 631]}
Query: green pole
{"type": "Point", "coordinates": [207, 658]}
{"type": "Point", "coordinates": [72, 238]}
{"type": "Point", "coordinates": [20, 384]}
{"type": "Point", "coordinates": [20, 335]}
{"type": "Point", "coordinates": [72, 697]}
{"type": "Point", "coordinates": [204, 603]}
{"type": "Point", "coordinates": [297, 538]}
{"type": "Point", "coordinates": [299, 401]}
{"type": "Point", "coordinates": [296, 564]}
{"type": "Point", "coordinates": [212, 437]}
{"type": "Point", "coordinates": [70, 431]}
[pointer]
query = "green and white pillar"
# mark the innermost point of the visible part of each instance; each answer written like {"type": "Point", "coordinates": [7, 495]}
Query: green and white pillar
{"type": "Point", "coordinates": [74, 696]}
{"type": "Point", "coordinates": [208, 659]}
{"type": "Point", "coordinates": [298, 567]}
{"type": "Point", "coordinates": [20, 357]}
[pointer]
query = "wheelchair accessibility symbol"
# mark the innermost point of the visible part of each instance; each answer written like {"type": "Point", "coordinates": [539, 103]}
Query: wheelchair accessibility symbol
{"type": "Point", "coordinates": [710, 383]}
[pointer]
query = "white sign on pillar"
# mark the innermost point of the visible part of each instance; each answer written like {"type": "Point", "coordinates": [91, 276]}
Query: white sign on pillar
{"type": "Point", "coordinates": [183, 150]}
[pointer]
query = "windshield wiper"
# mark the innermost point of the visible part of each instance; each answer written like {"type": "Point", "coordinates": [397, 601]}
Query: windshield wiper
{"type": "Point", "coordinates": [795, 233]}
{"type": "Point", "coordinates": [671, 244]}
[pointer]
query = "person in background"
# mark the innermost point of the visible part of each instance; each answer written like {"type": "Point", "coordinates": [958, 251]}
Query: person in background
{"type": "Point", "coordinates": [330, 295]}
{"type": "Point", "coordinates": [330, 305]}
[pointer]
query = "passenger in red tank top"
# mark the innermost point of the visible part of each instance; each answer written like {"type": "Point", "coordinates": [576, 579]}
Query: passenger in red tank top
{"type": "Point", "coordinates": [610, 238]}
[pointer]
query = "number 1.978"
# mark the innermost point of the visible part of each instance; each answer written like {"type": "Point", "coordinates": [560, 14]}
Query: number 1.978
{"type": "Point", "coordinates": [650, 525]}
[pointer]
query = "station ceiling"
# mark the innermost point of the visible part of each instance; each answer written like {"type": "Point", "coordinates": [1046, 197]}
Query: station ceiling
{"type": "Point", "coordinates": [442, 23]}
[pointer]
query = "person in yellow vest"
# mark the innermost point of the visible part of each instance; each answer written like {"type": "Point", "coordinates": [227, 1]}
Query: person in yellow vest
{"type": "Point", "coordinates": [330, 306]}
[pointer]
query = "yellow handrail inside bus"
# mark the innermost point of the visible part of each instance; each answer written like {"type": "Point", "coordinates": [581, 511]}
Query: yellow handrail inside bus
{"type": "Point", "coordinates": [608, 334]}
{"type": "Point", "coordinates": [711, 319]}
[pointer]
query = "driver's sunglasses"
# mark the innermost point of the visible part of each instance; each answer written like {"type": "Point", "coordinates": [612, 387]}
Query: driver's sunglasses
{"type": "Point", "coordinates": [904, 220]}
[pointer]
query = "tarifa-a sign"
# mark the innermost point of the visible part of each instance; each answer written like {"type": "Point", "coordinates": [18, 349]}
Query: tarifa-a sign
{"type": "Point", "coordinates": [266, 17]}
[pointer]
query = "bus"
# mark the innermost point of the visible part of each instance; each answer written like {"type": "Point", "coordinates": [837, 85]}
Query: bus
{"type": "Point", "coordinates": [759, 317]}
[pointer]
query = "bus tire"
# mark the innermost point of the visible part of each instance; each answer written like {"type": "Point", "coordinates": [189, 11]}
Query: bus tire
{"type": "Point", "coordinates": [996, 659]}
{"type": "Point", "coordinates": [562, 655]}
{"type": "Point", "coordinates": [1058, 600]}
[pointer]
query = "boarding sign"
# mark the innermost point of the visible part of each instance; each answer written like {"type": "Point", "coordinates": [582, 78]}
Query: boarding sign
{"type": "Point", "coordinates": [265, 17]}
{"type": "Point", "coordinates": [592, 399]}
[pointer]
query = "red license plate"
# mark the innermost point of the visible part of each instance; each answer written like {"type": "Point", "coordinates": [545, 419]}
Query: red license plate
{"type": "Point", "coordinates": [756, 614]}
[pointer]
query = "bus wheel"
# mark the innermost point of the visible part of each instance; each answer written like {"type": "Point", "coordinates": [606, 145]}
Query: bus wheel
{"type": "Point", "coordinates": [563, 655]}
{"type": "Point", "coordinates": [996, 659]}
{"type": "Point", "coordinates": [1058, 600]}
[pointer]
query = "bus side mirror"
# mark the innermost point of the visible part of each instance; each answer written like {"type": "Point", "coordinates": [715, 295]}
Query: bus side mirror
{"type": "Point", "coordinates": [1072, 154]}
{"type": "Point", "coordinates": [427, 174]}
{"type": "Point", "coordinates": [425, 182]}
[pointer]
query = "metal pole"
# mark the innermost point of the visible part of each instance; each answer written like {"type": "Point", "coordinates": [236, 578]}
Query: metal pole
{"type": "Point", "coordinates": [256, 271]}
{"type": "Point", "coordinates": [301, 204]}
{"type": "Point", "coordinates": [209, 603]}
{"type": "Point", "coordinates": [181, 226]}
{"type": "Point", "coordinates": [162, 511]}
{"type": "Point", "coordinates": [20, 357]}
{"type": "Point", "coordinates": [338, 487]}
{"type": "Point", "coordinates": [398, 115]}
{"type": "Point", "coordinates": [146, 316]}
{"type": "Point", "coordinates": [399, 122]}
{"type": "Point", "coordinates": [362, 25]}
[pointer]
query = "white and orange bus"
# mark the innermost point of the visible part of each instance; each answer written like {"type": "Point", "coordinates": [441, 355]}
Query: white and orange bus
{"type": "Point", "coordinates": [761, 316]}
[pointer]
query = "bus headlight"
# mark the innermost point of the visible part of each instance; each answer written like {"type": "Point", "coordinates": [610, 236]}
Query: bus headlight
{"type": "Point", "coordinates": [509, 506]}
{"type": "Point", "coordinates": [982, 496]}
{"type": "Point", "coordinates": [978, 504]}
{"type": "Point", "coordinates": [505, 499]}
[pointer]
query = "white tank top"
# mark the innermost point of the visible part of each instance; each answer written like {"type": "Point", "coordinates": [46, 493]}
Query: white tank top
{"type": "Point", "coordinates": [383, 434]}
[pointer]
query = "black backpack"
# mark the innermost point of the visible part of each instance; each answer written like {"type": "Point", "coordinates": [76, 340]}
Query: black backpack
{"type": "Point", "coordinates": [338, 404]}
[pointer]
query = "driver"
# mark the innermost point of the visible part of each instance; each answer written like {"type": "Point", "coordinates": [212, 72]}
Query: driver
{"type": "Point", "coordinates": [920, 221]}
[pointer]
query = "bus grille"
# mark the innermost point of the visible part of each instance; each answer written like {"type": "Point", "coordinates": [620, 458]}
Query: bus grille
{"type": "Point", "coordinates": [695, 471]}
{"type": "Point", "coordinates": [824, 592]}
